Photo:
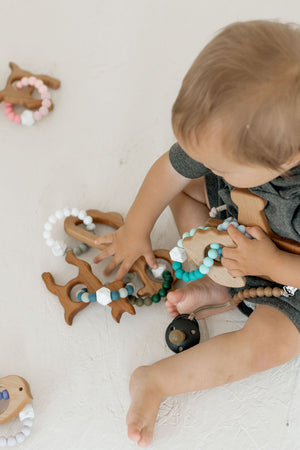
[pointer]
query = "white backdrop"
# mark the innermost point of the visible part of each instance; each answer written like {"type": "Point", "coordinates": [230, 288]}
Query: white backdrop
{"type": "Point", "coordinates": [121, 64]}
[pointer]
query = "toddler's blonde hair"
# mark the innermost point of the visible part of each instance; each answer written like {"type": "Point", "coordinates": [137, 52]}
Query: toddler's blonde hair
{"type": "Point", "coordinates": [248, 79]}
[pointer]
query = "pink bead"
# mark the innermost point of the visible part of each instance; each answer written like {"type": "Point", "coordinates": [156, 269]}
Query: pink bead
{"type": "Point", "coordinates": [8, 106]}
{"type": "Point", "coordinates": [19, 85]}
{"type": "Point", "coordinates": [31, 81]}
{"type": "Point", "coordinates": [45, 95]}
{"type": "Point", "coordinates": [11, 115]}
{"type": "Point", "coordinates": [17, 118]}
{"type": "Point", "coordinates": [39, 83]}
{"type": "Point", "coordinates": [37, 115]}
{"type": "Point", "coordinates": [43, 89]}
{"type": "Point", "coordinates": [46, 102]}
{"type": "Point", "coordinates": [24, 81]}
{"type": "Point", "coordinates": [43, 111]}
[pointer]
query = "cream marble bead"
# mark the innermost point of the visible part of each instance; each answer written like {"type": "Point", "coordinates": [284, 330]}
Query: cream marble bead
{"type": "Point", "coordinates": [59, 248]}
{"type": "Point", "coordinates": [91, 227]}
{"type": "Point", "coordinates": [103, 296]}
{"type": "Point", "coordinates": [67, 212]}
{"type": "Point", "coordinates": [46, 234]}
{"type": "Point", "coordinates": [26, 413]}
{"type": "Point", "coordinates": [26, 431]}
{"type": "Point", "coordinates": [3, 441]}
{"type": "Point", "coordinates": [59, 214]}
{"type": "Point", "coordinates": [82, 214]}
{"type": "Point", "coordinates": [52, 219]}
{"type": "Point", "coordinates": [48, 226]}
{"type": "Point", "coordinates": [50, 242]}
{"type": "Point", "coordinates": [20, 437]}
{"type": "Point", "coordinates": [87, 220]}
{"type": "Point", "coordinates": [85, 297]}
{"type": "Point", "coordinates": [75, 212]}
{"type": "Point", "coordinates": [11, 441]}
{"type": "Point", "coordinates": [27, 423]}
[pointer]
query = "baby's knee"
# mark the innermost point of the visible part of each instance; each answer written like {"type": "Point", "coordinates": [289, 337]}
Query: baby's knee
{"type": "Point", "coordinates": [271, 344]}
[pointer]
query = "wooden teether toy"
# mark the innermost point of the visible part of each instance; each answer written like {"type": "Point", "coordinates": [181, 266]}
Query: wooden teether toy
{"type": "Point", "coordinates": [16, 391]}
{"type": "Point", "coordinates": [15, 94]}
{"type": "Point", "coordinates": [114, 294]}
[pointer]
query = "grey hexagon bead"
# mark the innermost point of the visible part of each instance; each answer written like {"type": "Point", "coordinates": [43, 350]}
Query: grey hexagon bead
{"type": "Point", "coordinates": [147, 301]}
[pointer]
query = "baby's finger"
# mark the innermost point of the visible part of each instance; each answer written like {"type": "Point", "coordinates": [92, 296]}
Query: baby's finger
{"type": "Point", "coordinates": [256, 232]}
{"type": "Point", "coordinates": [124, 269]}
{"type": "Point", "coordinates": [237, 237]}
{"type": "Point", "coordinates": [151, 260]}
{"type": "Point", "coordinates": [104, 254]}
{"type": "Point", "coordinates": [229, 252]}
{"type": "Point", "coordinates": [105, 239]}
{"type": "Point", "coordinates": [113, 263]}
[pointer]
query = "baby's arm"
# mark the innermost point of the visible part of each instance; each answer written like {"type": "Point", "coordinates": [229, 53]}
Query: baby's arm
{"type": "Point", "coordinates": [260, 256]}
{"type": "Point", "coordinates": [132, 240]}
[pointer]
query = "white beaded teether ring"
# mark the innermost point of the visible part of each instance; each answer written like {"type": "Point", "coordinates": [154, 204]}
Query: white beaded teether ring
{"type": "Point", "coordinates": [29, 117]}
{"type": "Point", "coordinates": [26, 417]}
{"type": "Point", "coordinates": [60, 248]}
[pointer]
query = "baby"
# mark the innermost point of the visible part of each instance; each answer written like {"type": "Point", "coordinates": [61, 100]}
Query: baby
{"type": "Point", "coordinates": [237, 123]}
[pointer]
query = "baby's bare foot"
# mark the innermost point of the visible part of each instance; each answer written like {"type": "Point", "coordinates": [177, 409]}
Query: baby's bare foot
{"type": "Point", "coordinates": [195, 294]}
{"type": "Point", "coordinates": [144, 407]}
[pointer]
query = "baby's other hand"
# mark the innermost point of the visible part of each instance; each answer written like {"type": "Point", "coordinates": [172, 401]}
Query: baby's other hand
{"type": "Point", "coordinates": [126, 247]}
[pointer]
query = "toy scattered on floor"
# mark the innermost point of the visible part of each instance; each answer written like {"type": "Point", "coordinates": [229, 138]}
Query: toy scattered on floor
{"type": "Point", "coordinates": [19, 91]}
{"type": "Point", "coordinates": [16, 391]}
{"type": "Point", "coordinates": [193, 246]}
{"type": "Point", "coordinates": [118, 294]}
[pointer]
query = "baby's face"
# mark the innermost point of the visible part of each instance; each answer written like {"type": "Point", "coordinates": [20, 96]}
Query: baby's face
{"type": "Point", "coordinates": [211, 153]}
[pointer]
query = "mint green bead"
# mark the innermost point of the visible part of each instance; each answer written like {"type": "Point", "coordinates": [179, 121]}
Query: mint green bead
{"type": "Point", "coordinates": [193, 231]}
{"type": "Point", "coordinates": [203, 269]}
{"type": "Point", "coordinates": [179, 243]}
{"type": "Point", "coordinates": [155, 298]}
{"type": "Point", "coordinates": [213, 253]}
{"type": "Point", "coordinates": [208, 262]}
{"type": "Point", "coordinates": [186, 234]}
{"type": "Point", "coordinates": [215, 245]}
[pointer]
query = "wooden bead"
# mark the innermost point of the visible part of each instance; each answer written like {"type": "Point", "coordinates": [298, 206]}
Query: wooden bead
{"type": "Point", "coordinates": [276, 292]}
{"type": "Point", "coordinates": [268, 291]}
{"type": "Point", "coordinates": [253, 292]}
{"type": "Point", "coordinates": [260, 291]}
{"type": "Point", "coordinates": [240, 295]}
{"type": "Point", "coordinates": [246, 293]}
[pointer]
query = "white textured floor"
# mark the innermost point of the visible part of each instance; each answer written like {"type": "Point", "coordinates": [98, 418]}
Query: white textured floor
{"type": "Point", "coordinates": [120, 64]}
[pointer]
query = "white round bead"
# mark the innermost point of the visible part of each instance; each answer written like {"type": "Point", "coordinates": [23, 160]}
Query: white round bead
{"type": "Point", "coordinates": [11, 441]}
{"type": "Point", "coordinates": [20, 437]}
{"type": "Point", "coordinates": [47, 234]}
{"type": "Point", "coordinates": [67, 212]}
{"type": "Point", "coordinates": [28, 422]}
{"type": "Point", "coordinates": [26, 431]}
{"type": "Point", "coordinates": [91, 227]}
{"type": "Point", "coordinates": [87, 220]}
{"type": "Point", "coordinates": [85, 297]}
{"type": "Point", "coordinates": [82, 214]}
{"type": "Point", "coordinates": [59, 248]}
{"type": "Point", "coordinates": [75, 212]}
{"type": "Point", "coordinates": [48, 226]}
{"type": "Point", "coordinates": [27, 118]}
{"type": "Point", "coordinates": [50, 242]}
{"type": "Point", "coordinates": [59, 214]}
{"type": "Point", "coordinates": [3, 441]}
{"type": "Point", "coordinates": [52, 219]}
{"type": "Point", "coordinates": [123, 293]}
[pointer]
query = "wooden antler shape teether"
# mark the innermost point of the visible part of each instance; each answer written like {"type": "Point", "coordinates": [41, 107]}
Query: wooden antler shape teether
{"type": "Point", "coordinates": [86, 277]}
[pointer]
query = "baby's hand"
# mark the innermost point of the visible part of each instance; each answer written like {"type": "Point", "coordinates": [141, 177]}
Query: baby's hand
{"type": "Point", "coordinates": [250, 256]}
{"type": "Point", "coordinates": [126, 247]}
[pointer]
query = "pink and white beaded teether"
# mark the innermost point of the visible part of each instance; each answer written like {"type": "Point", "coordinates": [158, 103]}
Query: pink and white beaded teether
{"type": "Point", "coordinates": [28, 117]}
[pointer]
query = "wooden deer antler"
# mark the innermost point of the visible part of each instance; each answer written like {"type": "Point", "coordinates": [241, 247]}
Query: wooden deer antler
{"type": "Point", "coordinates": [24, 97]}
{"type": "Point", "coordinates": [86, 277]}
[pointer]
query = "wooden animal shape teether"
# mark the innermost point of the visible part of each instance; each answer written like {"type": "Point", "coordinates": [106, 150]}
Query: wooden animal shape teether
{"type": "Point", "coordinates": [19, 396]}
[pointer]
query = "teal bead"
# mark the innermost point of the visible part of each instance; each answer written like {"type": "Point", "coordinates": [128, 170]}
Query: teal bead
{"type": "Point", "coordinates": [198, 274]}
{"type": "Point", "coordinates": [92, 297]}
{"type": "Point", "coordinates": [162, 292]}
{"type": "Point", "coordinates": [176, 265]}
{"type": "Point", "coordinates": [193, 231]}
{"type": "Point", "coordinates": [166, 285]}
{"type": "Point", "coordinates": [208, 262]}
{"type": "Point", "coordinates": [213, 253]}
{"type": "Point", "coordinates": [203, 269]}
{"type": "Point", "coordinates": [179, 243]}
{"type": "Point", "coordinates": [193, 276]}
{"type": "Point", "coordinates": [186, 277]}
{"type": "Point", "coordinates": [155, 298]}
{"type": "Point", "coordinates": [179, 273]}
{"type": "Point", "coordinates": [115, 295]}
{"type": "Point", "coordinates": [215, 246]}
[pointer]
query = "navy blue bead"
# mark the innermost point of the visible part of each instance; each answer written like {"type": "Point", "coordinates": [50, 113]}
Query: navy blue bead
{"type": "Point", "coordinates": [0, 395]}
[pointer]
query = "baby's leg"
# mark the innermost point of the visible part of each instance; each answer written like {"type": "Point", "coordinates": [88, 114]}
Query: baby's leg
{"type": "Point", "coordinates": [190, 209]}
{"type": "Point", "coordinates": [268, 339]}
